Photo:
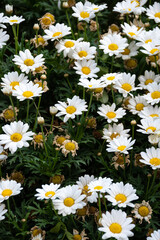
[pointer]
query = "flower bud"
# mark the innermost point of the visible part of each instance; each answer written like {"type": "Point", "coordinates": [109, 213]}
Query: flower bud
{"type": "Point", "coordinates": [133, 122]}
{"type": "Point", "coordinates": [9, 8]}
{"type": "Point", "coordinates": [43, 77]}
{"type": "Point", "coordinates": [36, 26]}
{"type": "Point", "coordinates": [65, 5]}
{"type": "Point", "coordinates": [40, 120]}
{"type": "Point", "coordinates": [53, 110]}
{"type": "Point", "coordinates": [7, 90]}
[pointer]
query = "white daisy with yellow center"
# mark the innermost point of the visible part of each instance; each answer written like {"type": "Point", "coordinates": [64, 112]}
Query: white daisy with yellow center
{"type": "Point", "coordinates": [115, 131]}
{"type": "Point", "coordinates": [96, 8]}
{"type": "Point", "coordinates": [13, 79]}
{"type": "Point", "coordinates": [3, 155]}
{"type": "Point", "coordinates": [137, 104]}
{"type": "Point", "coordinates": [92, 83]}
{"type": "Point", "coordinates": [113, 44]}
{"type": "Point", "coordinates": [27, 62]}
{"type": "Point", "coordinates": [2, 20]}
{"type": "Point", "coordinates": [150, 112]}
{"type": "Point", "coordinates": [109, 112]}
{"type": "Point", "coordinates": [110, 78]}
{"type": "Point", "coordinates": [100, 185]}
{"type": "Point", "coordinates": [153, 12]}
{"type": "Point", "coordinates": [16, 136]}
{"type": "Point", "coordinates": [121, 144]}
{"type": "Point", "coordinates": [83, 50]}
{"type": "Point", "coordinates": [151, 157]}
{"type": "Point", "coordinates": [27, 91]}
{"type": "Point", "coordinates": [143, 211]}
{"type": "Point", "coordinates": [56, 32]}
{"type": "Point", "coordinates": [153, 95]}
{"type": "Point", "coordinates": [121, 195]}
{"type": "Point", "coordinates": [116, 224]}
{"type": "Point", "coordinates": [148, 78]}
{"type": "Point", "coordinates": [48, 191]}
{"type": "Point", "coordinates": [83, 12]}
{"type": "Point", "coordinates": [73, 107]}
{"type": "Point", "coordinates": [139, 6]}
{"type": "Point", "coordinates": [2, 211]}
{"type": "Point", "coordinates": [125, 7]}
{"type": "Point", "coordinates": [151, 49]}
{"type": "Point", "coordinates": [131, 31]}
{"type": "Point", "coordinates": [69, 146]}
{"type": "Point", "coordinates": [86, 68]}
{"type": "Point", "coordinates": [129, 51]}
{"type": "Point", "coordinates": [149, 126]}
{"type": "Point", "coordinates": [9, 188]}
{"type": "Point", "coordinates": [14, 20]}
{"type": "Point", "coordinates": [3, 38]}
{"type": "Point", "coordinates": [69, 199]}
{"type": "Point", "coordinates": [155, 235]}
{"type": "Point", "coordinates": [126, 84]}
{"type": "Point", "coordinates": [146, 37]}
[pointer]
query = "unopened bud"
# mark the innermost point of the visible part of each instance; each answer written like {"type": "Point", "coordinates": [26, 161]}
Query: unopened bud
{"type": "Point", "coordinates": [133, 122]}
{"type": "Point", "coordinates": [9, 8]}
{"type": "Point", "coordinates": [53, 110]}
{"type": "Point", "coordinates": [23, 220]}
{"type": "Point", "coordinates": [36, 26]}
{"type": "Point", "coordinates": [40, 120]}
{"type": "Point", "coordinates": [99, 154]}
{"type": "Point", "coordinates": [65, 5]}
{"type": "Point", "coordinates": [66, 75]}
{"type": "Point", "coordinates": [43, 77]}
{"type": "Point", "coordinates": [7, 90]}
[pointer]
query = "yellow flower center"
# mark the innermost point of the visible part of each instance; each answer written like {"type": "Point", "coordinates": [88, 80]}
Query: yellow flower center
{"type": "Point", "coordinates": [68, 202]}
{"type": "Point", "coordinates": [38, 138]}
{"type": "Point", "coordinates": [41, 40]}
{"type": "Point", "coordinates": [50, 16]}
{"type": "Point", "coordinates": [121, 148]}
{"type": "Point", "coordinates": [82, 54]}
{"type": "Point", "coordinates": [113, 47]}
{"type": "Point", "coordinates": [46, 20]}
{"type": "Point", "coordinates": [90, 86]}
{"type": "Point", "coordinates": [131, 63]}
{"type": "Point", "coordinates": [6, 192]}
{"type": "Point", "coordinates": [69, 44]}
{"type": "Point", "coordinates": [153, 58]}
{"type": "Point", "coordinates": [60, 140]}
{"type": "Point", "coordinates": [148, 81]}
{"type": "Point", "coordinates": [120, 160]}
{"type": "Point", "coordinates": [155, 94]}
{"type": "Point", "coordinates": [84, 14]}
{"type": "Point", "coordinates": [149, 40]}
{"type": "Point", "coordinates": [120, 197]}
{"type": "Point", "coordinates": [151, 128]}
{"type": "Point", "coordinates": [39, 69]}
{"type": "Point", "coordinates": [111, 115]}
{"type": "Point", "coordinates": [139, 106]}
{"type": "Point", "coordinates": [129, 9]}
{"type": "Point", "coordinates": [111, 78]}
{"type": "Point", "coordinates": [27, 94]}
{"type": "Point", "coordinates": [85, 188]}
{"type": "Point", "coordinates": [56, 34]}
{"type": "Point", "coordinates": [157, 14]}
{"type": "Point", "coordinates": [131, 34]}
{"type": "Point", "coordinates": [98, 187]}
{"type": "Point", "coordinates": [114, 135]}
{"type": "Point", "coordinates": [86, 70]}
{"type": "Point", "coordinates": [98, 90]}
{"type": "Point", "coordinates": [115, 228]}
{"type": "Point", "coordinates": [127, 87]}
{"type": "Point", "coordinates": [13, 20]}
{"type": "Point", "coordinates": [154, 115]}
{"type": "Point", "coordinates": [143, 211]}
{"type": "Point", "coordinates": [138, 4]}
{"type": "Point", "coordinates": [154, 50]}
{"type": "Point", "coordinates": [70, 109]}
{"type": "Point", "coordinates": [8, 114]}
{"type": "Point", "coordinates": [16, 137]}
{"type": "Point", "coordinates": [13, 84]}
{"type": "Point", "coordinates": [70, 146]}
{"type": "Point", "coordinates": [155, 161]}
{"type": "Point", "coordinates": [28, 62]}
{"type": "Point", "coordinates": [126, 51]}
{"type": "Point", "coordinates": [49, 194]}
{"type": "Point", "coordinates": [77, 237]}
{"type": "Point", "coordinates": [40, 84]}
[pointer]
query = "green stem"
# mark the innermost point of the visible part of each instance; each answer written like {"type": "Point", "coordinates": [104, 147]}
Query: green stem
{"type": "Point", "coordinates": [127, 18]}
{"type": "Point", "coordinates": [149, 178]}
{"type": "Point", "coordinates": [10, 97]}
{"type": "Point", "coordinates": [154, 178]}
{"type": "Point", "coordinates": [44, 142]}
{"type": "Point", "coordinates": [97, 29]}
{"type": "Point", "coordinates": [35, 123]}
{"type": "Point", "coordinates": [99, 204]}
{"type": "Point", "coordinates": [69, 83]}
{"type": "Point", "coordinates": [51, 123]}
{"type": "Point", "coordinates": [112, 63]}
{"type": "Point", "coordinates": [90, 102]}
{"type": "Point", "coordinates": [112, 92]}
{"type": "Point", "coordinates": [124, 165]}
{"type": "Point", "coordinates": [27, 110]}
{"type": "Point", "coordinates": [69, 23]}
{"type": "Point", "coordinates": [15, 38]}
{"type": "Point", "coordinates": [85, 33]}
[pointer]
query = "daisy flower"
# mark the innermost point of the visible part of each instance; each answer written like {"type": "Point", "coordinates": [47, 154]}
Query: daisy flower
{"type": "Point", "coordinates": [125, 7]}
{"type": "Point", "coordinates": [113, 44]}
{"type": "Point", "coordinates": [115, 131]}
{"type": "Point", "coordinates": [116, 224]}
{"type": "Point", "coordinates": [126, 84]}
{"type": "Point", "coordinates": [131, 31]}
{"type": "Point", "coordinates": [92, 83]}
{"type": "Point", "coordinates": [38, 237]}
{"type": "Point", "coordinates": [149, 126]}
{"type": "Point", "coordinates": [69, 146]}
{"type": "Point", "coordinates": [121, 144]}
{"type": "Point", "coordinates": [14, 20]}
{"type": "Point", "coordinates": [83, 50]}
{"type": "Point", "coordinates": [67, 46]}
{"type": "Point", "coordinates": [96, 8]}
{"type": "Point", "coordinates": [2, 211]}
{"type": "Point", "coordinates": [2, 20]}
{"type": "Point", "coordinates": [27, 62]}
{"type": "Point", "coordinates": [129, 52]}
{"type": "Point", "coordinates": [110, 78]}
{"type": "Point", "coordinates": [82, 12]}
{"type": "Point", "coordinates": [27, 91]}
{"type": "Point", "coordinates": [143, 211]}
{"type": "Point", "coordinates": [83, 185]}
{"type": "Point", "coordinates": [48, 191]}
{"type": "Point", "coordinates": [57, 31]}
{"type": "Point", "coordinates": [151, 157]}
{"type": "Point", "coordinates": [3, 38]}
{"type": "Point", "coordinates": [100, 185]}
{"type": "Point", "coordinates": [69, 199]}
{"type": "Point", "coordinates": [150, 112]}
{"type": "Point", "coordinates": [79, 236]}
{"type": "Point", "coordinates": [9, 188]}
{"type": "Point", "coordinates": [136, 104]}
{"type": "Point", "coordinates": [153, 12]}
{"type": "Point", "coordinates": [147, 78]}
{"type": "Point", "coordinates": [109, 112]}
{"type": "Point", "coordinates": [146, 37]}
{"type": "Point", "coordinates": [16, 136]}
{"type": "Point", "coordinates": [121, 195]}
{"type": "Point", "coordinates": [153, 95]}
{"type": "Point", "coordinates": [46, 20]}
{"type": "Point", "coordinates": [155, 235]}
{"type": "Point", "coordinates": [87, 69]}
{"type": "Point", "coordinates": [3, 155]}
{"type": "Point", "coordinates": [139, 9]}
{"type": "Point", "coordinates": [73, 107]}
{"type": "Point", "coordinates": [151, 48]}
{"type": "Point", "coordinates": [13, 79]}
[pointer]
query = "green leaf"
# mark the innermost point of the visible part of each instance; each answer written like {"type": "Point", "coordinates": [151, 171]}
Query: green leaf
{"type": "Point", "coordinates": [69, 235]}
{"type": "Point", "coordinates": [56, 228]}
